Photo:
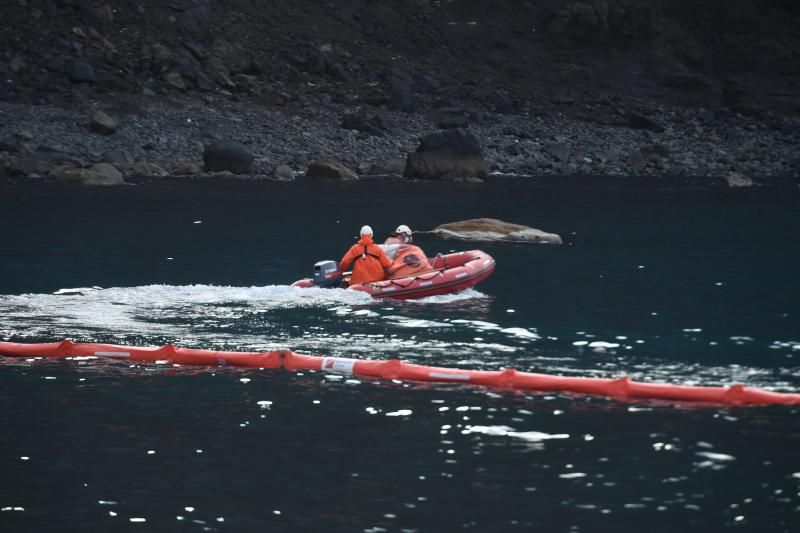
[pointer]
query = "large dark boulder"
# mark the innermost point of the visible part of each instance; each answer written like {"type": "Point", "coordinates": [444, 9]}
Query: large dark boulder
{"type": "Point", "coordinates": [446, 155]}
{"type": "Point", "coordinates": [334, 65]}
{"type": "Point", "coordinates": [228, 155]}
{"type": "Point", "coordinates": [640, 122]}
{"type": "Point", "coordinates": [80, 71]}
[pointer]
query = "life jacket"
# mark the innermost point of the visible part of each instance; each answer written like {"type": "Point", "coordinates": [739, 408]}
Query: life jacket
{"type": "Point", "coordinates": [369, 261]}
{"type": "Point", "coordinates": [410, 260]}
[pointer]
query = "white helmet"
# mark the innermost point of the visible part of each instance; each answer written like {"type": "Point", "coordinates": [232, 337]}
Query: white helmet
{"type": "Point", "coordinates": [366, 230]}
{"type": "Point", "coordinates": [402, 228]}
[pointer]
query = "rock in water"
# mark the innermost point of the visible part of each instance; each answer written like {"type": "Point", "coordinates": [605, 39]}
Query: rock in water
{"type": "Point", "coordinates": [492, 230]}
{"type": "Point", "coordinates": [228, 155]}
{"type": "Point", "coordinates": [330, 168]}
{"type": "Point", "coordinates": [446, 155]}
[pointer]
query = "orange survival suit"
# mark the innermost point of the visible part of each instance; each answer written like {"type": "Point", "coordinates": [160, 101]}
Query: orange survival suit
{"type": "Point", "coordinates": [370, 260]}
{"type": "Point", "coordinates": [407, 261]}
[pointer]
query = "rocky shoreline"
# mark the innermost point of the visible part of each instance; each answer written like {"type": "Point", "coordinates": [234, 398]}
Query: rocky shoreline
{"type": "Point", "coordinates": [151, 136]}
{"type": "Point", "coordinates": [106, 92]}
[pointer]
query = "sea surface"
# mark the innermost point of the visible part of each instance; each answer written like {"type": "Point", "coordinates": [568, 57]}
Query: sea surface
{"type": "Point", "coordinates": [690, 286]}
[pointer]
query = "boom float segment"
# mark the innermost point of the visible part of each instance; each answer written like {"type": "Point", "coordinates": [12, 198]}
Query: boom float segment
{"type": "Point", "coordinates": [620, 388]}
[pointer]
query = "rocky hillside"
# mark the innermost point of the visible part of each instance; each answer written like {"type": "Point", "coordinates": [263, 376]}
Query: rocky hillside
{"type": "Point", "coordinates": [509, 55]}
{"type": "Point", "coordinates": [100, 91]}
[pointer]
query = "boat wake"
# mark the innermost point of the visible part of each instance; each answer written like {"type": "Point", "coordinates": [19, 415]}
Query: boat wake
{"type": "Point", "coordinates": [343, 323]}
{"type": "Point", "coordinates": [247, 317]}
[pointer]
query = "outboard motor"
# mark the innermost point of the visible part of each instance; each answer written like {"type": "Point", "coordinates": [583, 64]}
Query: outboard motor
{"type": "Point", "coordinates": [327, 274]}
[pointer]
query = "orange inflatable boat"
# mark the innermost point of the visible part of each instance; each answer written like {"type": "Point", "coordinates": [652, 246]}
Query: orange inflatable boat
{"type": "Point", "coordinates": [414, 276]}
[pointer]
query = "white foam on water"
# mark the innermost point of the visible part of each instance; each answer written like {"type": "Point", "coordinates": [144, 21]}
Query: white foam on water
{"type": "Point", "coordinates": [76, 291]}
{"type": "Point", "coordinates": [572, 475]}
{"type": "Point", "coordinates": [506, 431]}
{"type": "Point", "coordinates": [716, 456]}
{"type": "Point", "coordinates": [468, 294]}
{"type": "Point", "coordinates": [405, 322]}
{"type": "Point", "coordinates": [345, 323]}
{"type": "Point", "coordinates": [151, 309]}
{"type": "Point", "coordinates": [365, 312]}
{"type": "Point", "coordinates": [603, 344]}
{"type": "Point", "coordinates": [477, 324]}
{"type": "Point", "coordinates": [520, 332]}
{"type": "Point", "coordinates": [245, 318]}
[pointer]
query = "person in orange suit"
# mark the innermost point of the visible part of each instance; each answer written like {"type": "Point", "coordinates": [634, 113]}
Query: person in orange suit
{"type": "Point", "coordinates": [369, 260]}
{"type": "Point", "coordinates": [402, 235]}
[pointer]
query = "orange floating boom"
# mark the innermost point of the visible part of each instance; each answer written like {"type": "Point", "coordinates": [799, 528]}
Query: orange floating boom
{"type": "Point", "coordinates": [620, 388]}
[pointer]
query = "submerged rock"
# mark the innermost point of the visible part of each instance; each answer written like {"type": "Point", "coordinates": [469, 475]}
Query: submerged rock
{"type": "Point", "coordinates": [492, 230]}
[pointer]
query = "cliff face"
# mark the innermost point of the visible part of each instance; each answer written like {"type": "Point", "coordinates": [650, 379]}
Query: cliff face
{"type": "Point", "coordinates": [505, 53]}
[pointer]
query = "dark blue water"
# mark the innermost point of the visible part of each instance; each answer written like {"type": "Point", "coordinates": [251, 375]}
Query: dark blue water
{"type": "Point", "coordinates": [684, 286]}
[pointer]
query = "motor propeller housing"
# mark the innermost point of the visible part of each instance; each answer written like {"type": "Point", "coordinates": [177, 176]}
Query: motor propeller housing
{"type": "Point", "coordinates": [327, 274]}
